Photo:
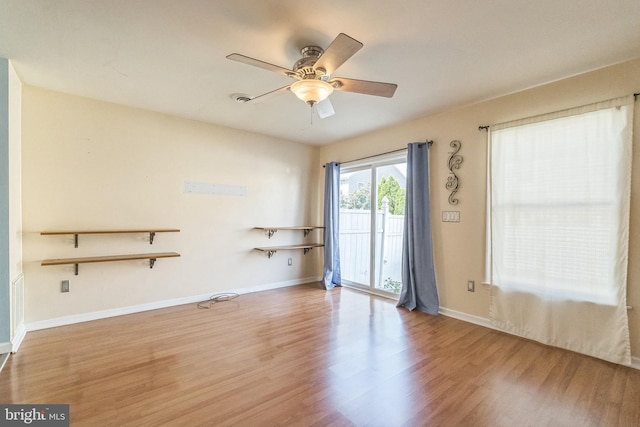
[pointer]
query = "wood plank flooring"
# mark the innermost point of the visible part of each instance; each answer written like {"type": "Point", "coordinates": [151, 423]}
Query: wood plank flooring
{"type": "Point", "coordinates": [301, 356]}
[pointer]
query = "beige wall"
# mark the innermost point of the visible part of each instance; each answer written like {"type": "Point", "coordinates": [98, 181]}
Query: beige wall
{"type": "Point", "coordinates": [95, 165]}
{"type": "Point", "coordinates": [459, 247]}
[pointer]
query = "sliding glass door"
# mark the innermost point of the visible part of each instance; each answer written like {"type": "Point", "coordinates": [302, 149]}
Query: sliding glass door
{"type": "Point", "coordinates": [372, 201]}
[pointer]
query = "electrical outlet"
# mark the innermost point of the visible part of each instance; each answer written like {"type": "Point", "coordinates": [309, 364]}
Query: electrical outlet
{"type": "Point", "coordinates": [64, 286]}
{"type": "Point", "coordinates": [471, 286]}
{"type": "Point", "coordinates": [290, 261]}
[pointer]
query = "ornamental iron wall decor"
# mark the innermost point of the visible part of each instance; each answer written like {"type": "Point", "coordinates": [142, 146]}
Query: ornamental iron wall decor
{"type": "Point", "coordinates": [453, 182]}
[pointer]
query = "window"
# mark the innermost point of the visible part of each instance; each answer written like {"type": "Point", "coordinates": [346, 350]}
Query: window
{"type": "Point", "coordinates": [559, 196]}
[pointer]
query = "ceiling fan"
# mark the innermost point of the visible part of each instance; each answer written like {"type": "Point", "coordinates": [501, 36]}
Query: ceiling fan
{"type": "Point", "coordinates": [313, 72]}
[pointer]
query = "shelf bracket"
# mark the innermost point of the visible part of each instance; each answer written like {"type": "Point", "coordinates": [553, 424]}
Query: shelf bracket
{"type": "Point", "coordinates": [307, 231]}
{"type": "Point", "coordinates": [151, 236]}
{"type": "Point", "coordinates": [75, 240]}
{"type": "Point", "coordinates": [270, 254]}
{"type": "Point", "coordinates": [305, 250]}
{"type": "Point", "coordinates": [270, 232]}
{"type": "Point", "coordinates": [152, 261]}
{"type": "Point", "coordinates": [76, 267]}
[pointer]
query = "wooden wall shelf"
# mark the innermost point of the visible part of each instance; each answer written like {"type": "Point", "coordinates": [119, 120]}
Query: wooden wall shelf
{"type": "Point", "coordinates": [152, 232]}
{"type": "Point", "coordinates": [269, 231]}
{"type": "Point", "coordinates": [152, 257]}
{"type": "Point", "coordinates": [271, 250]}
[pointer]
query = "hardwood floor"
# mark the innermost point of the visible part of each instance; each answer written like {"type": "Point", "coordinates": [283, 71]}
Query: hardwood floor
{"type": "Point", "coordinates": [302, 356]}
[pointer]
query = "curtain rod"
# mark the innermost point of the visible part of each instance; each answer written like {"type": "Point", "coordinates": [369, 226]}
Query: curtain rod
{"type": "Point", "coordinates": [635, 98]}
{"type": "Point", "coordinates": [428, 141]}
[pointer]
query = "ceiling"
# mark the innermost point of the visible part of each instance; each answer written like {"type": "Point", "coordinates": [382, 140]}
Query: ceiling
{"type": "Point", "coordinates": [169, 56]}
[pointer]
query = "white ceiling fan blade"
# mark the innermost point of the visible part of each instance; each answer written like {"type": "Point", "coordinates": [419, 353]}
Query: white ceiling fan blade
{"type": "Point", "coordinates": [324, 109]}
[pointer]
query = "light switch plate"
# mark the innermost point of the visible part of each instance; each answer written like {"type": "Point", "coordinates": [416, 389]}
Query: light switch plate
{"type": "Point", "coordinates": [450, 216]}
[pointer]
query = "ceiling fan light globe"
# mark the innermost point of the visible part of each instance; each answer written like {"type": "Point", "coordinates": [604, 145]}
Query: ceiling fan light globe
{"type": "Point", "coordinates": [312, 91]}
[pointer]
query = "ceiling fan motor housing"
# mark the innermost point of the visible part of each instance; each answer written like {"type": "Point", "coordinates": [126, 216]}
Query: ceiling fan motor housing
{"type": "Point", "coordinates": [304, 66]}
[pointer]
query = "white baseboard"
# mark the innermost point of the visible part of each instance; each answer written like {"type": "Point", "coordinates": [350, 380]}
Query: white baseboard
{"type": "Point", "coordinates": [483, 321]}
{"type": "Point", "coordinates": [103, 314]}
{"type": "Point", "coordinates": [11, 347]}
{"type": "Point", "coordinates": [20, 333]}
{"type": "Point", "coordinates": [470, 318]}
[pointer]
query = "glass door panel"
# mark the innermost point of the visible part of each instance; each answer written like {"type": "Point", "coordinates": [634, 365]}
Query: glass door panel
{"type": "Point", "coordinates": [391, 192]}
{"type": "Point", "coordinates": [355, 226]}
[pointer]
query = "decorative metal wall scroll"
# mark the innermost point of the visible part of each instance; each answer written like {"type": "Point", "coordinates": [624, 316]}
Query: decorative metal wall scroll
{"type": "Point", "coordinates": [455, 160]}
